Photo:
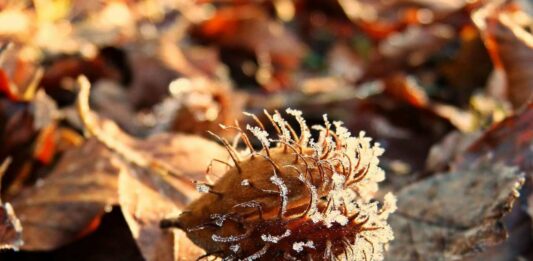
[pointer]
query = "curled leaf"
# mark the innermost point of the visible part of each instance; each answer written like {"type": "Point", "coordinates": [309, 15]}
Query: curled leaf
{"type": "Point", "coordinates": [70, 201]}
{"type": "Point", "coordinates": [456, 213]}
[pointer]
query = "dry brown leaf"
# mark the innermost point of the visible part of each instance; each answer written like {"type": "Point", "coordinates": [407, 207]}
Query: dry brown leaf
{"type": "Point", "coordinates": [87, 181]}
{"type": "Point", "coordinates": [158, 181]}
{"type": "Point", "coordinates": [146, 197]}
{"type": "Point", "coordinates": [69, 203]}
{"type": "Point", "coordinates": [456, 213]}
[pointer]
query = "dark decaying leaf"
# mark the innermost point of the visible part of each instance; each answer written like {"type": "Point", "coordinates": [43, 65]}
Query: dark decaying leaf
{"type": "Point", "coordinates": [248, 29]}
{"type": "Point", "coordinates": [456, 213]}
{"type": "Point", "coordinates": [409, 48]}
{"type": "Point", "coordinates": [508, 142]}
{"type": "Point", "coordinates": [511, 49]}
{"type": "Point", "coordinates": [69, 203]}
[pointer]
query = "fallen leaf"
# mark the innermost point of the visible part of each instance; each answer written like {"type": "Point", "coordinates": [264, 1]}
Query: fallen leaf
{"type": "Point", "coordinates": [508, 142]}
{"type": "Point", "coordinates": [382, 18]}
{"type": "Point", "coordinates": [158, 182]}
{"type": "Point", "coordinates": [70, 201]}
{"type": "Point", "coordinates": [146, 197]}
{"type": "Point", "coordinates": [456, 214]}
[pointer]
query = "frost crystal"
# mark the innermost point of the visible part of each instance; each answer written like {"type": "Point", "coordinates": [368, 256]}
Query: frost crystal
{"type": "Point", "coordinates": [335, 216]}
{"type": "Point", "coordinates": [314, 195]}
{"type": "Point", "coordinates": [283, 191]}
{"type": "Point", "coordinates": [260, 134]}
{"type": "Point", "coordinates": [235, 248]}
{"type": "Point", "coordinates": [304, 130]}
{"type": "Point", "coordinates": [299, 246]}
{"type": "Point", "coordinates": [219, 219]}
{"type": "Point", "coordinates": [249, 204]}
{"type": "Point", "coordinates": [228, 239]}
{"type": "Point", "coordinates": [282, 124]}
{"type": "Point", "coordinates": [275, 239]}
{"type": "Point", "coordinates": [202, 188]}
{"type": "Point", "coordinates": [258, 254]}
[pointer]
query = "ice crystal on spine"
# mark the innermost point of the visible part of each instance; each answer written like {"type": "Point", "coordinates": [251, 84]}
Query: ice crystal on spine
{"type": "Point", "coordinates": [299, 246]}
{"type": "Point", "coordinates": [260, 134]}
{"type": "Point", "coordinates": [202, 188]}
{"type": "Point", "coordinates": [302, 198]}
{"type": "Point", "coordinates": [275, 239]}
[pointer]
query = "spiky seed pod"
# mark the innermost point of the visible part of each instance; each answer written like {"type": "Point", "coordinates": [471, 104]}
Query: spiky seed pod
{"type": "Point", "coordinates": [298, 200]}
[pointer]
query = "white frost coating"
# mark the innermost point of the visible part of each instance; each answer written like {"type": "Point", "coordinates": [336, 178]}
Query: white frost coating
{"type": "Point", "coordinates": [249, 204]}
{"type": "Point", "coordinates": [342, 132]}
{"type": "Point", "coordinates": [335, 216]}
{"type": "Point", "coordinates": [304, 129]}
{"type": "Point", "coordinates": [285, 133]}
{"type": "Point", "coordinates": [316, 217]}
{"type": "Point", "coordinates": [283, 192]}
{"type": "Point", "coordinates": [338, 181]}
{"type": "Point", "coordinates": [316, 146]}
{"type": "Point", "coordinates": [326, 121]}
{"type": "Point", "coordinates": [235, 248]}
{"type": "Point", "coordinates": [202, 188]}
{"type": "Point", "coordinates": [314, 195]}
{"type": "Point", "coordinates": [299, 246]}
{"type": "Point", "coordinates": [257, 254]}
{"type": "Point", "coordinates": [260, 134]}
{"type": "Point", "coordinates": [245, 182]}
{"type": "Point", "coordinates": [228, 239]}
{"type": "Point", "coordinates": [389, 205]}
{"type": "Point", "coordinates": [219, 219]}
{"type": "Point", "coordinates": [275, 239]}
{"type": "Point", "coordinates": [342, 158]}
